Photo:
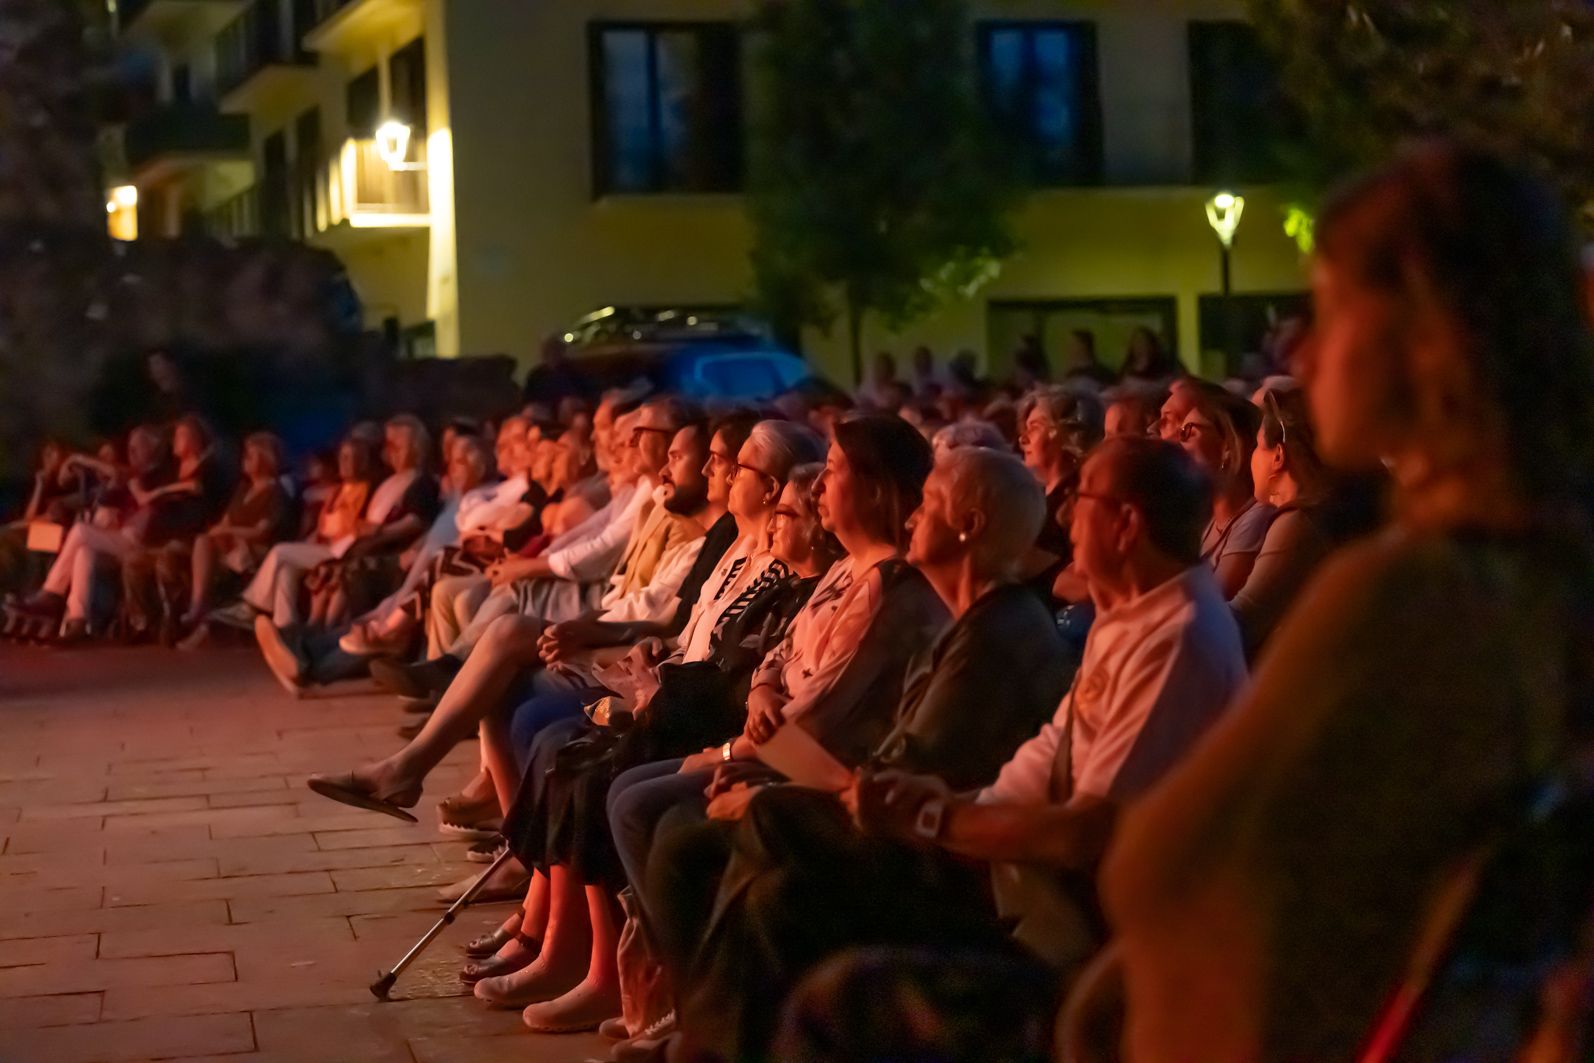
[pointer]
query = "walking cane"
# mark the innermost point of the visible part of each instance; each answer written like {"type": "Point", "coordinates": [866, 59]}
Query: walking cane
{"type": "Point", "coordinates": [381, 987]}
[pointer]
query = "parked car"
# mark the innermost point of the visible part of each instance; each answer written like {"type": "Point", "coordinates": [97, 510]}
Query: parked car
{"type": "Point", "coordinates": [700, 354]}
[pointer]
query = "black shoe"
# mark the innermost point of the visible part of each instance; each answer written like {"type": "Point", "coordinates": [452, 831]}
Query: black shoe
{"type": "Point", "coordinates": [424, 680]}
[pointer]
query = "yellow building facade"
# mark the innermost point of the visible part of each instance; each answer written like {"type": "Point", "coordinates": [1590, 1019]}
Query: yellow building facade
{"type": "Point", "coordinates": [516, 202]}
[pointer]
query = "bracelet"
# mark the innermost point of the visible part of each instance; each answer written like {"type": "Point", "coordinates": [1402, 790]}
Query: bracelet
{"type": "Point", "coordinates": [725, 752]}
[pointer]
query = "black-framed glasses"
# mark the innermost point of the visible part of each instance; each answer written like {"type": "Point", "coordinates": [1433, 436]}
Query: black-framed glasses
{"type": "Point", "coordinates": [1190, 429]}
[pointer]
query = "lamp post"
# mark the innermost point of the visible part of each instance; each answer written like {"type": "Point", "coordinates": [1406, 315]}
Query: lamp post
{"type": "Point", "coordinates": [1224, 211]}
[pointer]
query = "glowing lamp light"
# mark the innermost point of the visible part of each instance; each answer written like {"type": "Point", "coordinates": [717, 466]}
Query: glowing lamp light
{"type": "Point", "coordinates": [1223, 214]}
{"type": "Point", "coordinates": [393, 143]}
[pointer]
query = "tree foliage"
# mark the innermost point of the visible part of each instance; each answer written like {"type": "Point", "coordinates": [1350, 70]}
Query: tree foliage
{"type": "Point", "coordinates": [876, 186]}
{"type": "Point", "coordinates": [1514, 75]}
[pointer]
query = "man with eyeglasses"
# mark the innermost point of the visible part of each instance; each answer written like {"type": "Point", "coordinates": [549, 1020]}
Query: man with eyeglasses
{"type": "Point", "coordinates": [1162, 662]}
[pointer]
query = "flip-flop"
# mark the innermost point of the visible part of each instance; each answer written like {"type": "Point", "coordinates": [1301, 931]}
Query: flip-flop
{"type": "Point", "coordinates": [475, 971]}
{"type": "Point", "coordinates": [346, 790]}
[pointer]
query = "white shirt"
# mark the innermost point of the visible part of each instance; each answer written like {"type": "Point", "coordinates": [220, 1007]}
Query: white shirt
{"type": "Point", "coordinates": [657, 601]}
{"type": "Point", "coordinates": [1157, 672]}
{"type": "Point", "coordinates": [488, 505]}
{"type": "Point", "coordinates": [735, 573]}
{"type": "Point", "coordinates": [589, 551]}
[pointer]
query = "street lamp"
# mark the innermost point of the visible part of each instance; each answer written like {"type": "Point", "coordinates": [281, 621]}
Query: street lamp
{"type": "Point", "coordinates": [1224, 211]}
{"type": "Point", "coordinates": [393, 144]}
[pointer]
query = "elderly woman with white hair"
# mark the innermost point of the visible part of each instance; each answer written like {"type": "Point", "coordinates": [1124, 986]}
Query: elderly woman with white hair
{"type": "Point", "coordinates": [967, 433]}
{"type": "Point", "coordinates": [972, 698]}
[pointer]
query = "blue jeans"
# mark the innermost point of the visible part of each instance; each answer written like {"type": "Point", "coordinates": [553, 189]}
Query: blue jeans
{"type": "Point", "coordinates": [638, 799]}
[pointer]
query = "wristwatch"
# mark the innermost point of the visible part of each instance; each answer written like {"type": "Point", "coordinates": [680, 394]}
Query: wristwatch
{"type": "Point", "coordinates": [931, 819]}
{"type": "Point", "coordinates": [725, 753]}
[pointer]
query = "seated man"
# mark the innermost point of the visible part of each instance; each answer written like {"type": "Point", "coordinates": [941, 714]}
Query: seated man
{"type": "Point", "coordinates": [568, 578]}
{"type": "Point", "coordinates": [1161, 663]}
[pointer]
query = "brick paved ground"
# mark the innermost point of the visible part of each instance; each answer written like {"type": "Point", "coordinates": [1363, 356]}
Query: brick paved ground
{"type": "Point", "coordinates": [170, 890]}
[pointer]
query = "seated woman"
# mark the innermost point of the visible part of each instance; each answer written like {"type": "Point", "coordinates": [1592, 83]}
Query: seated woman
{"type": "Point", "coordinates": [397, 512]}
{"type": "Point", "coordinates": [260, 515]}
{"type": "Point", "coordinates": [117, 531]}
{"type": "Point", "coordinates": [840, 670]}
{"type": "Point", "coordinates": [51, 498]}
{"type": "Point", "coordinates": [1219, 432]}
{"type": "Point", "coordinates": [1057, 426]}
{"type": "Point", "coordinates": [559, 824]}
{"type": "Point", "coordinates": [468, 535]}
{"type": "Point", "coordinates": [983, 689]}
{"type": "Point", "coordinates": [275, 587]}
{"type": "Point", "coordinates": [1289, 477]}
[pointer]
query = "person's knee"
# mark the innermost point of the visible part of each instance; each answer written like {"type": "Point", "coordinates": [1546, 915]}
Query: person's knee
{"type": "Point", "coordinates": [513, 635]}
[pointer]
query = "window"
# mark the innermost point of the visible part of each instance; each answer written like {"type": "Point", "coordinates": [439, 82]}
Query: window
{"type": "Point", "coordinates": [182, 84]}
{"type": "Point", "coordinates": [1041, 84]}
{"type": "Point", "coordinates": [1235, 328]}
{"type": "Point", "coordinates": [407, 78]}
{"type": "Point", "coordinates": [666, 107]}
{"type": "Point", "coordinates": [275, 196]}
{"type": "Point", "coordinates": [309, 173]}
{"type": "Point", "coordinates": [1240, 115]}
{"type": "Point", "coordinates": [1110, 323]}
{"type": "Point", "coordinates": [363, 103]}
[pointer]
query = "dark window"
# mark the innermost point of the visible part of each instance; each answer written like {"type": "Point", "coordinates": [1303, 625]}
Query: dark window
{"type": "Point", "coordinates": [364, 104]}
{"type": "Point", "coordinates": [1041, 84]}
{"type": "Point", "coordinates": [1110, 322]}
{"type": "Point", "coordinates": [1241, 325]}
{"type": "Point", "coordinates": [407, 78]}
{"type": "Point", "coordinates": [666, 107]}
{"type": "Point", "coordinates": [182, 84]}
{"type": "Point", "coordinates": [1240, 115]}
{"type": "Point", "coordinates": [309, 171]}
{"type": "Point", "coordinates": [275, 197]}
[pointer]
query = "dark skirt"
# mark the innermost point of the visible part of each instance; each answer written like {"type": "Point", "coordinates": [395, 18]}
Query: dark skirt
{"type": "Point", "coordinates": [560, 814]}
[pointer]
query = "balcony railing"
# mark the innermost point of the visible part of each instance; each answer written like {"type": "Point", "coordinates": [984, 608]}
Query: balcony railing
{"type": "Point", "coordinates": [235, 217]}
{"type": "Point", "coordinates": [184, 129]}
{"type": "Point", "coordinates": [367, 193]}
{"type": "Point", "coordinates": [321, 10]}
{"type": "Point", "coordinates": [264, 35]}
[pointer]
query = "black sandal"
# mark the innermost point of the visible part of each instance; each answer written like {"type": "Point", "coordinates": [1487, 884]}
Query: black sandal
{"type": "Point", "coordinates": [472, 973]}
{"type": "Point", "coordinates": [488, 944]}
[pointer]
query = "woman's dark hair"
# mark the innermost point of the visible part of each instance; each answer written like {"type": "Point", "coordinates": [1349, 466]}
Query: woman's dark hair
{"type": "Point", "coordinates": [1287, 422]}
{"type": "Point", "coordinates": [890, 457]}
{"type": "Point", "coordinates": [271, 446]}
{"type": "Point", "coordinates": [1155, 363]}
{"type": "Point", "coordinates": [195, 424]}
{"type": "Point", "coordinates": [367, 465]}
{"type": "Point", "coordinates": [1236, 419]}
{"type": "Point", "coordinates": [1493, 244]}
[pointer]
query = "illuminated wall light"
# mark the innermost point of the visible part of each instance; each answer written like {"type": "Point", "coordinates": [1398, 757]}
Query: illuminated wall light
{"type": "Point", "coordinates": [1223, 214]}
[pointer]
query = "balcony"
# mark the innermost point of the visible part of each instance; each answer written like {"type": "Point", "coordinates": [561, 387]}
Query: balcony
{"type": "Point", "coordinates": [343, 27]}
{"type": "Point", "coordinates": [235, 218]}
{"type": "Point", "coordinates": [162, 18]}
{"type": "Point", "coordinates": [258, 59]}
{"type": "Point", "coordinates": [177, 137]}
{"type": "Point", "coordinates": [368, 199]}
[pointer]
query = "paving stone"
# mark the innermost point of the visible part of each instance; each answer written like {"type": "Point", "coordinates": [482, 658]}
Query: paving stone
{"type": "Point", "coordinates": [113, 808]}
{"type": "Point", "coordinates": [292, 885]}
{"type": "Point", "coordinates": [365, 902]}
{"type": "Point", "coordinates": [77, 977]}
{"type": "Point", "coordinates": [330, 932]}
{"type": "Point", "coordinates": [61, 1009]}
{"type": "Point", "coordinates": [56, 924]}
{"type": "Point", "coordinates": [319, 860]}
{"type": "Point", "coordinates": [53, 898]}
{"type": "Point", "coordinates": [72, 948]}
{"type": "Point", "coordinates": [201, 845]}
{"type": "Point", "coordinates": [285, 820]}
{"type": "Point", "coordinates": [139, 1039]}
{"type": "Point", "coordinates": [253, 798]}
{"type": "Point", "coordinates": [396, 877]}
{"type": "Point", "coordinates": [510, 1048]}
{"type": "Point", "coordinates": [191, 783]}
{"type": "Point", "coordinates": [119, 876]}
{"type": "Point", "coordinates": [376, 836]}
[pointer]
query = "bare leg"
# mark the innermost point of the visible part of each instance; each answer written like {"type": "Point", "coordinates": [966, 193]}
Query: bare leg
{"type": "Point", "coordinates": [203, 567]}
{"type": "Point", "coordinates": [566, 948]}
{"type": "Point", "coordinates": [499, 755]}
{"type": "Point", "coordinates": [509, 646]}
{"type": "Point", "coordinates": [597, 997]}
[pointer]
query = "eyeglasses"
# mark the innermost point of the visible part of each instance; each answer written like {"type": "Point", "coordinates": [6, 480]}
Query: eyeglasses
{"type": "Point", "coordinates": [1190, 429]}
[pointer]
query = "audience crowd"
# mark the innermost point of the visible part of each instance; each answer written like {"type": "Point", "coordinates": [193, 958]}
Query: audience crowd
{"type": "Point", "coordinates": [1116, 715]}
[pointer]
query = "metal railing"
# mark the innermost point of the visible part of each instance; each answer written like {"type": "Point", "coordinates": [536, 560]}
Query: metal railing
{"type": "Point", "coordinates": [260, 37]}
